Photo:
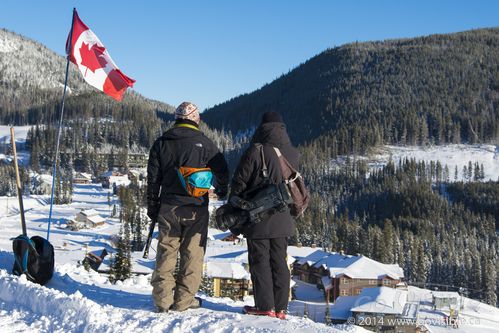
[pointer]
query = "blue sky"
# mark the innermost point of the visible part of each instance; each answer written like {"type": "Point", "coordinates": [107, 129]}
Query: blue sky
{"type": "Point", "coordinates": [210, 51]}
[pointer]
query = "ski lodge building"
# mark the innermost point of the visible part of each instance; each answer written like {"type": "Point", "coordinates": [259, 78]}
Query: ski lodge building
{"type": "Point", "coordinates": [89, 218]}
{"type": "Point", "coordinates": [111, 178]}
{"type": "Point", "coordinates": [82, 178]}
{"type": "Point", "coordinates": [345, 275]}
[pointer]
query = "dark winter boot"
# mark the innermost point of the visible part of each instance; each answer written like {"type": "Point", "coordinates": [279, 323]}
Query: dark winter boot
{"type": "Point", "coordinates": [252, 310]}
{"type": "Point", "coordinates": [196, 304]}
{"type": "Point", "coordinates": [159, 309]}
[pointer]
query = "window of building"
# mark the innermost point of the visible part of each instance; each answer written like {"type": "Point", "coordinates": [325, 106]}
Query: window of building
{"type": "Point", "coordinates": [373, 282]}
{"type": "Point", "coordinates": [345, 281]}
{"type": "Point", "coordinates": [358, 291]}
{"type": "Point", "coordinates": [344, 293]}
{"type": "Point", "coordinates": [386, 282]}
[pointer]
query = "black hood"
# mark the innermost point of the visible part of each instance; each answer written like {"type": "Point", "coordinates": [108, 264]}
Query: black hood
{"type": "Point", "coordinates": [274, 134]}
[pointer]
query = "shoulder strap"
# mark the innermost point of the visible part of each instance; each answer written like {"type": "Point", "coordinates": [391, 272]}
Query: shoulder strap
{"type": "Point", "coordinates": [265, 172]}
{"type": "Point", "coordinates": [286, 168]}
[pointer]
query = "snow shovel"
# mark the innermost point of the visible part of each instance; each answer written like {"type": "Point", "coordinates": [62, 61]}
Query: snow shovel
{"type": "Point", "coordinates": [33, 256]}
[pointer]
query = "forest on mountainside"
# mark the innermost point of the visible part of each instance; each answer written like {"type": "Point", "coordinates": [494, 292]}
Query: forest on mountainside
{"type": "Point", "coordinates": [428, 90]}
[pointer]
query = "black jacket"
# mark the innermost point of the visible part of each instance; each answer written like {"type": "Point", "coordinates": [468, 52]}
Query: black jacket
{"type": "Point", "coordinates": [248, 175]}
{"type": "Point", "coordinates": [182, 146]}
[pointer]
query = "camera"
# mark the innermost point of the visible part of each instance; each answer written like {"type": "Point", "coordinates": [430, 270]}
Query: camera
{"type": "Point", "coordinates": [231, 218]}
{"type": "Point", "coordinates": [256, 206]}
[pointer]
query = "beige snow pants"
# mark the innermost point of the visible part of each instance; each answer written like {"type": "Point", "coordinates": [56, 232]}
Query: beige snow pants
{"type": "Point", "coordinates": [182, 229]}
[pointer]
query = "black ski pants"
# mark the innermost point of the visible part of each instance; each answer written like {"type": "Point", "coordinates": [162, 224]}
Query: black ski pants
{"type": "Point", "coordinates": [269, 273]}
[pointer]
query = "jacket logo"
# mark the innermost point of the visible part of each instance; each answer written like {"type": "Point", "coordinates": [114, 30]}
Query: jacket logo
{"type": "Point", "coordinates": [200, 145]}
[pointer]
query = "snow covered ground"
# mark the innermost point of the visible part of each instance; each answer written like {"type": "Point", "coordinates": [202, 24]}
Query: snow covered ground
{"type": "Point", "coordinates": [450, 155]}
{"type": "Point", "coordinates": [20, 133]}
{"type": "Point", "coordinates": [473, 317]}
{"type": "Point", "coordinates": [79, 301]}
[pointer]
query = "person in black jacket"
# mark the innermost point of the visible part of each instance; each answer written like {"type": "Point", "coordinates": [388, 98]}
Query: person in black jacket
{"type": "Point", "coordinates": [182, 219]}
{"type": "Point", "coordinates": [267, 240]}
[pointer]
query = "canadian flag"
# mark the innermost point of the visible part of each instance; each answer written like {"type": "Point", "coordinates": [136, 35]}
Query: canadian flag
{"type": "Point", "coordinates": [94, 62]}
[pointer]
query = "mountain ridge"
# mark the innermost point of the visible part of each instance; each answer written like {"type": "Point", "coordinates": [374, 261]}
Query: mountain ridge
{"type": "Point", "coordinates": [434, 89]}
{"type": "Point", "coordinates": [32, 80]}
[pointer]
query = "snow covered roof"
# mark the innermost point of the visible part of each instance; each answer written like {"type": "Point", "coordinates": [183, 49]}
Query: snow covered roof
{"type": "Point", "coordinates": [326, 282]}
{"type": "Point", "coordinates": [358, 267]}
{"type": "Point", "coordinates": [313, 257]}
{"type": "Point", "coordinates": [299, 252]}
{"type": "Point", "coordinates": [89, 212]}
{"type": "Point", "coordinates": [381, 300]}
{"type": "Point", "coordinates": [83, 175]}
{"type": "Point", "coordinates": [226, 251]}
{"type": "Point", "coordinates": [112, 174]}
{"type": "Point", "coordinates": [226, 270]}
{"type": "Point", "coordinates": [46, 178]}
{"type": "Point", "coordinates": [341, 309]}
{"type": "Point", "coordinates": [445, 294]}
{"type": "Point", "coordinates": [96, 219]}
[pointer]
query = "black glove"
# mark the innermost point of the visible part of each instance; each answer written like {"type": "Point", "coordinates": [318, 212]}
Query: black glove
{"type": "Point", "coordinates": [221, 194]}
{"type": "Point", "coordinates": [153, 210]}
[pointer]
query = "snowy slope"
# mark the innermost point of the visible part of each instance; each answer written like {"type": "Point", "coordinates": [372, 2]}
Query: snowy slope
{"type": "Point", "coordinates": [20, 133]}
{"type": "Point", "coordinates": [29, 307]}
{"type": "Point", "coordinates": [79, 301]}
{"type": "Point", "coordinates": [27, 63]}
{"type": "Point", "coordinates": [450, 155]}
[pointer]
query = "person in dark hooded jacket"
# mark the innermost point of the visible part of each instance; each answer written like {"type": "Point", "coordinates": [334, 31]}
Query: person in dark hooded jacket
{"type": "Point", "coordinates": [182, 219]}
{"type": "Point", "coordinates": [268, 239]}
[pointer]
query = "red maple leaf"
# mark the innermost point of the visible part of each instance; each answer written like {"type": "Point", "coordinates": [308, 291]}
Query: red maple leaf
{"type": "Point", "coordinates": [92, 57]}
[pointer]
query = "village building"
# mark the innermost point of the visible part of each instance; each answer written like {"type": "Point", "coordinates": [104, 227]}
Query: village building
{"type": "Point", "coordinates": [230, 279]}
{"type": "Point", "coordinates": [40, 183]}
{"type": "Point", "coordinates": [89, 218]}
{"type": "Point", "coordinates": [137, 175]}
{"type": "Point", "coordinates": [378, 309]}
{"type": "Point", "coordinates": [446, 300]}
{"type": "Point", "coordinates": [82, 178]}
{"type": "Point", "coordinates": [226, 264]}
{"type": "Point", "coordinates": [111, 179]}
{"type": "Point", "coordinates": [345, 275]}
{"type": "Point", "coordinates": [303, 266]}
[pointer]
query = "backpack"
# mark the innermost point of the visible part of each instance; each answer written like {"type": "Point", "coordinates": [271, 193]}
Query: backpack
{"type": "Point", "coordinates": [34, 257]}
{"type": "Point", "coordinates": [196, 181]}
{"type": "Point", "coordinates": [296, 186]}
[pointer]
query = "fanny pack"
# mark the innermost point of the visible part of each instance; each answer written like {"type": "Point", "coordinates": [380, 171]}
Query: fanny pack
{"type": "Point", "coordinates": [196, 181]}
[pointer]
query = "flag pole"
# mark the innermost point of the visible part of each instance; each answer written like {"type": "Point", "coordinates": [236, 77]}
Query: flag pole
{"type": "Point", "coordinates": [54, 170]}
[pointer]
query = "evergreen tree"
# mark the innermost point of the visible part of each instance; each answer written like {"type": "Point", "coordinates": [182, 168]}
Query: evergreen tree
{"type": "Point", "coordinates": [121, 266]}
{"type": "Point", "coordinates": [489, 284]}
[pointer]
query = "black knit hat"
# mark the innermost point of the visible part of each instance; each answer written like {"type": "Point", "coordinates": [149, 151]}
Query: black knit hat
{"type": "Point", "coordinates": [271, 117]}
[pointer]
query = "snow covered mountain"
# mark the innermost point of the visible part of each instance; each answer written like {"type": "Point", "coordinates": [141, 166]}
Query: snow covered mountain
{"type": "Point", "coordinates": [28, 67]}
{"type": "Point", "coordinates": [32, 79]}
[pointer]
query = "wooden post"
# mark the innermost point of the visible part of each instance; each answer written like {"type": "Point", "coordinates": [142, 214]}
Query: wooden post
{"type": "Point", "coordinates": [18, 181]}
